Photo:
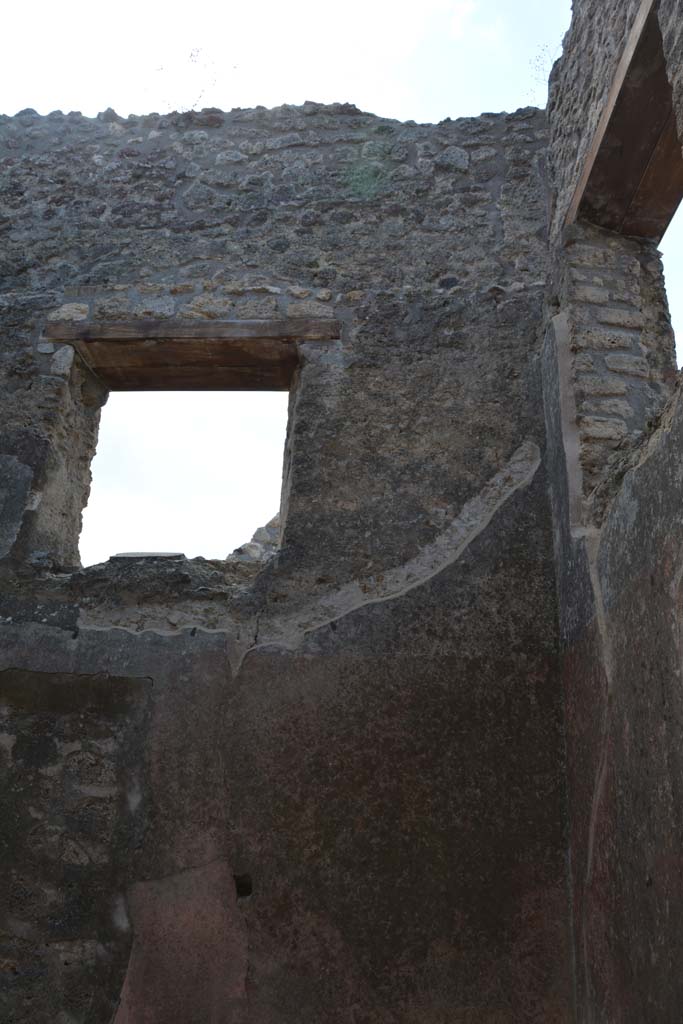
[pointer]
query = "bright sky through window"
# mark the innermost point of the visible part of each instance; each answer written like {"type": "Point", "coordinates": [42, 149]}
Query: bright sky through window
{"type": "Point", "coordinates": [193, 471]}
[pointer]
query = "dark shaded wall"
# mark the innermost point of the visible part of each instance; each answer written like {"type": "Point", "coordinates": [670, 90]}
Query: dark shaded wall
{"type": "Point", "coordinates": [332, 789]}
{"type": "Point", "coordinates": [671, 25]}
{"type": "Point", "coordinates": [614, 423]}
{"type": "Point", "coordinates": [579, 87]}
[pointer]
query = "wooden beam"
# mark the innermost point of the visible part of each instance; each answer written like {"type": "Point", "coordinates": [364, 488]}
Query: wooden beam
{"type": "Point", "coordinates": [191, 355]}
{"type": "Point", "coordinates": [660, 189]}
{"type": "Point", "coordinates": [194, 378]}
{"type": "Point", "coordinates": [294, 329]}
{"type": "Point", "coordinates": [646, 8]}
{"type": "Point", "coordinates": [636, 180]}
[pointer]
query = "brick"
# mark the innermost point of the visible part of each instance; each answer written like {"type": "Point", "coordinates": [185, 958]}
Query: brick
{"type": "Point", "coordinates": [70, 311]}
{"type": "Point", "coordinates": [591, 293]}
{"type": "Point", "coordinates": [597, 429]}
{"type": "Point", "coordinates": [592, 336]}
{"type": "Point", "coordinates": [583, 362]}
{"type": "Point", "coordinates": [585, 255]}
{"type": "Point", "coordinates": [609, 384]}
{"type": "Point", "coordinates": [621, 317]}
{"type": "Point", "coordinates": [618, 407]}
{"type": "Point", "coordinates": [634, 366]}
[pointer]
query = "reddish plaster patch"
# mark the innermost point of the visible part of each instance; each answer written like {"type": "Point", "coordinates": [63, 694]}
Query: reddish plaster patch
{"type": "Point", "coordinates": [189, 957]}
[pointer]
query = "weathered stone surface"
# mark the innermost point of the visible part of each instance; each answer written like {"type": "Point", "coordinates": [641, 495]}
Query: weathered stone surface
{"type": "Point", "coordinates": [621, 665]}
{"type": "Point", "coordinates": [72, 764]}
{"type": "Point", "coordinates": [615, 494]}
{"type": "Point", "coordinates": [412, 753]}
{"type": "Point", "coordinates": [620, 341]}
{"type": "Point", "coordinates": [323, 835]}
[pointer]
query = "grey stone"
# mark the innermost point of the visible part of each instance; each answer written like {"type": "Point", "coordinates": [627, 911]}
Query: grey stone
{"type": "Point", "coordinates": [412, 752]}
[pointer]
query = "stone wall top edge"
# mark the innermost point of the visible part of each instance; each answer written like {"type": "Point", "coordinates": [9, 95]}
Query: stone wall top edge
{"type": "Point", "coordinates": [214, 117]}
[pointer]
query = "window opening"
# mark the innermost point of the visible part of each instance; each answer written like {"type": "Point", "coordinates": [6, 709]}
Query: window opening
{"type": "Point", "coordinates": [194, 472]}
{"type": "Point", "coordinates": [199, 472]}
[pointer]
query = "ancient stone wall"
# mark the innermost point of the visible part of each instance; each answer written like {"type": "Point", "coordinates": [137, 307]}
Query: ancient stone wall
{"type": "Point", "coordinates": [613, 432]}
{"type": "Point", "coordinates": [422, 762]}
{"type": "Point", "coordinates": [321, 212]}
{"type": "Point", "coordinates": [614, 338]}
{"type": "Point", "coordinates": [345, 776]}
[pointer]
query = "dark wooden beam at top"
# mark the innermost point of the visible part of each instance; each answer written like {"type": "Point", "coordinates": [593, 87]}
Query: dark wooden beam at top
{"type": "Point", "coordinates": [191, 355]}
{"type": "Point", "coordinates": [632, 181]}
{"type": "Point", "coordinates": [612, 97]}
{"type": "Point", "coordinates": [293, 329]}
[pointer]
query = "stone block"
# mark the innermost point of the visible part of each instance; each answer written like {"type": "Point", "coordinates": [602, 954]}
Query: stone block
{"type": "Point", "coordinates": [598, 429]}
{"type": "Point", "coordinates": [605, 384]}
{"type": "Point", "coordinates": [115, 307]}
{"type": "Point", "coordinates": [70, 311]}
{"type": "Point", "coordinates": [591, 293]}
{"type": "Point", "coordinates": [633, 366]}
{"type": "Point", "coordinates": [601, 339]}
{"type": "Point", "coordinates": [452, 159]}
{"type": "Point", "coordinates": [620, 317]}
{"type": "Point", "coordinates": [210, 307]}
{"type": "Point", "coordinates": [62, 361]}
{"type": "Point", "coordinates": [160, 307]}
{"type": "Point", "coordinates": [306, 308]}
{"type": "Point", "coordinates": [258, 307]}
{"type": "Point", "coordinates": [617, 407]}
{"type": "Point", "coordinates": [14, 499]}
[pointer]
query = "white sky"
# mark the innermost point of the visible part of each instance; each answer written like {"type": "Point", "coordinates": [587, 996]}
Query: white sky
{"type": "Point", "coordinates": [199, 473]}
{"type": "Point", "coordinates": [196, 472]}
{"type": "Point", "coordinates": [425, 61]}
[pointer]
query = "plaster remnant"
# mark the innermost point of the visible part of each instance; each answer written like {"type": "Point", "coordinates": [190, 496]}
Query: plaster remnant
{"type": "Point", "coordinates": [448, 547]}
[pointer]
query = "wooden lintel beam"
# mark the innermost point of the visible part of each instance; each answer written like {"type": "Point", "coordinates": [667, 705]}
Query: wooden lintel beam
{"type": "Point", "coordinates": [623, 67]}
{"type": "Point", "coordinates": [289, 330]}
{"type": "Point", "coordinates": [191, 355]}
{"type": "Point", "coordinates": [660, 189]}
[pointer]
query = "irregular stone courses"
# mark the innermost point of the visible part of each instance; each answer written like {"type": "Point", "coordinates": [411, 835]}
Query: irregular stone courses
{"type": "Point", "coordinates": [621, 343]}
{"type": "Point", "coordinates": [413, 753]}
{"type": "Point", "coordinates": [315, 703]}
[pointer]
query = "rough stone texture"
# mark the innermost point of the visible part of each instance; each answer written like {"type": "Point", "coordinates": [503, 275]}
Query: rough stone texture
{"type": "Point", "coordinates": [620, 347]}
{"type": "Point", "coordinates": [71, 748]}
{"type": "Point", "coordinates": [349, 754]}
{"type": "Point", "coordinates": [613, 422]}
{"type": "Point", "coordinates": [620, 622]}
{"type": "Point", "coordinates": [316, 211]}
{"type": "Point", "coordinates": [413, 754]}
